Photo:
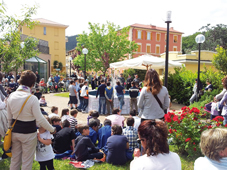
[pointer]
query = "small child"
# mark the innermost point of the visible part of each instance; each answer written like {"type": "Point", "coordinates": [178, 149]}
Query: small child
{"type": "Point", "coordinates": [44, 151]}
{"type": "Point", "coordinates": [64, 114]}
{"type": "Point", "coordinates": [80, 98]}
{"type": "Point", "coordinates": [54, 112]}
{"type": "Point", "coordinates": [72, 120]}
{"type": "Point", "coordinates": [84, 94]}
{"type": "Point", "coordinates": [42, 101]}
{"type": "Point", "coordinates": [37, 93]}
{"type": "Point", "coordinates": [214, 109]}
{"type": "Point", "coordinates": [93, 128]}
{"type": "Point", "coordinates": [104, 133]}
{"type": "Point", "coordinates": [93, 115]}
{"type": "Point", "coordinates": [56, 122]}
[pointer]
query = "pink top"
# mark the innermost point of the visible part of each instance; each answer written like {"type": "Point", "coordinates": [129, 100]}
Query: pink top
{"type": "Point", "coordinates": [116, 119]}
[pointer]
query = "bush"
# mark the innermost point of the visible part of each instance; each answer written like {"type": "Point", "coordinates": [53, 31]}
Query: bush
{"type": "Point", "coordinates": [185, 129]}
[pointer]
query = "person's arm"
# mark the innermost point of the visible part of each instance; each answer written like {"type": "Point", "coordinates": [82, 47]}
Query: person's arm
{"type": "Point", "coordinates": [220, 95]}
{"type": "Point", "coordinates": [223, 99]}
{"type": "Point", "coordinates": [123, 90]}
{"type": "Point", "coordinates": [2, 104]}
{"type": "Point", "coordinates": [90, 144]}
{"type": "Point", "coordinates": [73, 146]}
{"type": "Point", "coordinates": [97, 93]}
{"type": "Point", "coordinates": [166, 101]}
{"type": "Point", "coordinates": [45, 142]}
{"type": "Point", "coordinates": [127, 145]}
{"type": "Point", "coordinates": [106, 95]}
{"type": "Point", "coordinates": [141, 99]}
{"type": "Point", "coordinates": [75, 91]}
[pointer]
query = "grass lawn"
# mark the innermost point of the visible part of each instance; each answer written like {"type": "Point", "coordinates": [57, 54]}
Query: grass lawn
{"type": "Point", "coordinates": [187, 164]}
{"type": "Point", "coordinates": [66, 94]}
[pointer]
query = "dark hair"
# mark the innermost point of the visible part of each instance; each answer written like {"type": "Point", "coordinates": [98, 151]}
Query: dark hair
{"type": "Point", "coordinates": [130, 121]}
{"type": "Point", "coordinates": [155, 132]}
{"type": "Point", "coordinates": [65, 123]}
{"type": "Point", "coordinates": [115, 111]}
{"type": "Point", "coordinates": [94, 113]}
{"type": "Point", "coordinates": [53, 109]}
{"type": "Point", "coordinates": [133, 112]}
{"type": "Point", "coordinates": [225, 82]}
{"type": "Point", "coordinates": [118, 83]}
{"type": "Point", "coordinates": [81, 85]}
{"type": "Point", "coordinates": [116, 129]}
{"type": "Point", "coordinates": [153, 82]}
{"type": "Point", "coordinates": [64, 112]}
{"type": "Point", "coordinates": [37, 89]}
{"type": "Point", "coordinates": [107, 122]}
{"type": "Point", "coordinates": [102, 81]}
{"type": "Point", "coordinates": [0, 76]}
{"type": "Point", "coordinates": [133, 83]}
{"type": "Point", "coordinates": [71, 82]}
{"type": "Point", "coordinates": [27, 78]}
{"type": "Point", "coordinates": [108, 84]}
{"type": "Point", "coordinates": [93, 123]}
{"type": "Point", "coordinates": [73, 112]}
{"type": "Point", "coordinates": [85, 82]}
{"type": "Point", "coordinates": [55, 119]}
{"type": "Point", "coordinates": [82, 127]}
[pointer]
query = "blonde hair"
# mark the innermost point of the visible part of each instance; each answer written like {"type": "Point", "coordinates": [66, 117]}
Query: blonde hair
{"type": "Point", "coordinates": [212, 141]}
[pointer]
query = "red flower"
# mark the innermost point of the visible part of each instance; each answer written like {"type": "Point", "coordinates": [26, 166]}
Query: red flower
{"type": "Point", "coordinates": [195, 110]}
{"type": "Point", "coordinates": [170, 131]}
{"type": "Point", "coordinates": [175, 118]}
{"type": "Point", "coordinates": [174, 130]}
{"type": "Point", "coordinates": [194, 149]}
{"type": "Point", "coordinates": [195, 118]}
{"type": "Point", "coordinates": [209, 127]}
{"type": "Point", "coordinates": [204, 114]}
{"type": "Point", "coordinates": [201, 107]}
{"type": "Point", "coordinates": [179, 112]}
{"type": "Point", "coordinates": [226, 125]}
{"type": "Point", "coordinates": [218, 124]}
{"type": "Point", "coordinates": [174, 110]}
{"type": "Point", "coordinates": [218, 119]}
{"type": "Point", "coordinates": [167, 118]}
{"type": "Point", "coordinates": [188, 139]}
{"type": "Point", "coordinates": [193, 143]}
{"type": "Point", "coordinates": [178, 122]}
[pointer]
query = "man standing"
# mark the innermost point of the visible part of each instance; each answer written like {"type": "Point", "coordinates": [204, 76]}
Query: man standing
{"type": "Point", "coordinates": [109, 97]}
{"type": "Point", "coordinates": [57, 78]}
{"type": "Point", "coordinates": [129, 81]}
{"type": "Point", "coordinates": [37, 77]}
{"type": "Point", "coordinates": [72, 95]}
{"type": "Point", "coordinates": [136, 79]}
{"type": "Point", "coordinates": [18, 76]}
{"type": "Point", "coordinates": [122, 80]}
{"type": "Point", "coordinates": [74, 75]}
{"type": "Point", "coordinates": [94, 82]}
{"type": "Point", "coordinates": [102, 98]}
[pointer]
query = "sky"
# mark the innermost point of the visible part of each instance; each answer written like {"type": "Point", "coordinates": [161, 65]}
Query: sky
{"type": "Point", "coordinates": [188, 16]}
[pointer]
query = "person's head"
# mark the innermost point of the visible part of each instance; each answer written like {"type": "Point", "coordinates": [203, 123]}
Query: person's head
{"type": "Point", "coordinates": [129, 76]}
{"type": "Point", "coordinates": [37, 90]}
{"type": "Point", "coordinates": [94, 113]}
{"type": "Point", "coordinates": [55, 120]}
{"type": "Point", "coordinates": [107, 122]}
{"type": "Point", "coordinates": [107, 76]}
{"type": "Point", "coordinates": [36, 72]}
{"type": "Point", "coordinates": [116, 130]}
{"type": "Point", "coordinates": [56, 74]}
{"type": "Point", "coordinates": [224, 82]}
{"type": "Point", "coordinates": [27, 78]}
{"type": "Point", "coordinates": [153, 136]}
{"type": "Point", "coordinates": [19, 73]}
{"type": "Point", "coordinates": [43, 97]}
{"type": "Point", "coordinates": [152, 81]}
{"type": "Point", "coordinates": [133, 84]}
{"type": "Point", "coordinates": [12, 79]}
{"type": "Point", "coordinates": [51, 75]}
{"type": "Point", "coordinates": [130, 121]}
{"type": "Point", "coordinates": [133, 112]}
{"type": "Point", "coordinates": [85, 83]}
{"type": "Point", "coordinates": [102, 81]}
{"type": "Point", "coordinates": [108, 84]}
{"type": "Point", "coordinates": [64, 112]}
{"type": "Point", "coordinates": [73, 112]}
{"type": "Point", "coordinates": [65, 123]}
{"type": "Point", "coordinates": [83, 129]}
{"type": "Point", "coordinates": [136, 76]}
{"type": "Point", "coordinates": [93, 124]}
{"type": "Point", "coordinates": [81, 85]}
{"type": "Point", "coordinates": [118, 83]}
{"type": "Point", "coordinates": [42, 79]}
{"type": "Point", "coordinates": [121, 74]}
{"type": "Point", "coordinates": [208, 81]}
{"type": "Point", "coordinates": [213, 143]}
{"type": "Point", "coordinates": [115, 111]}
{"type": "Point", "coordinates": [72, 82]}
{"type": "Point", "coordinates": [54, 109]}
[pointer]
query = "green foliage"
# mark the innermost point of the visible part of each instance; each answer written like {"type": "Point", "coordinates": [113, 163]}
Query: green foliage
{"type": "Point", "coordinates": [189, 44]}
{"type": "Point", "coordinates": [220, 60]}
{"type": "Point", "coordinates": [57, 64]}
{"type": "Point", "coordinates": [132, 72]}
{"type": "Point", "coordinates": [106, 44]}
{"type": "Point", "coordinates": [13, 52]}
{"type": "Point", "coordinates": [181, 82]}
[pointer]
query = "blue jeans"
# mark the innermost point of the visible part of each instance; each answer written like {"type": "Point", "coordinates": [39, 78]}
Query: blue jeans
{"type": "Point", "coordinates": [225, 119]}
{"type": "Point", "coordinates": [81, 103]}
{"type": "Point", "coordinates": [62, 155]}
{"type": "Point", "coordinates": [102, 104]}
{"type": "Point", "coordinates": [121, 100]}
{"type": "Point", "coordinates": [85, 104]}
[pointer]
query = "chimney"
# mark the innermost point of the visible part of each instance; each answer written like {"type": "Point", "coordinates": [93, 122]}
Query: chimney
{"type": "Point", "coordinates": [153, 26]}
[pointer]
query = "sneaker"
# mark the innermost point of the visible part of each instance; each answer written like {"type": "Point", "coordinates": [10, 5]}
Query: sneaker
{"type": "Point", "coordinates": [71, 108]}
{"type": "Point", "coordinates": [83, 111]}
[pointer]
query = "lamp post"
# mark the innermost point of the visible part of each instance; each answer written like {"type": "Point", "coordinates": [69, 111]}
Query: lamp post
{"type": "Point", "coordinates": [70, 59]}
{"type": "Point", "coordinates": [168, 21]}
{"type": "Point", "coordinates": [85, 51]}
{"type": "Point", "coordinates": [199, 40]}
{"type": "Point", "coordinates": [22, 46]}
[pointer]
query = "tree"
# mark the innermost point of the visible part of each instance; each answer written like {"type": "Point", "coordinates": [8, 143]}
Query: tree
{"type": "Point", "coordinates": [14, 52]}
{"type": "Point", "coordinates": [189, 44]}
{"type": "Point", "coordinates": [106, 44]}
{"type": "Point", "coordinates": [220, 60]}
{"type": "Point", "coordinates": [57, 65]}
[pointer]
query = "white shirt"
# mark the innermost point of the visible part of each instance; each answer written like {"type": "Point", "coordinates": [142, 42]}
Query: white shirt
{"type": "Point", "coordinates": [137, 122]}
{"type": "Point", "coordinates": [203, 163]}
{"type": "Point", "coordinates": [64, 118]}
{"type": "Point", "coordinates": [83, 91]}
{"type": "Point", "coordinates": [116, 119]}
{"type": "Point", "coordinates": [52, 115]}
{"type": "Point", "coordinates": [169, 161]}
{"type": "Point", "coordinates": [44, 152]}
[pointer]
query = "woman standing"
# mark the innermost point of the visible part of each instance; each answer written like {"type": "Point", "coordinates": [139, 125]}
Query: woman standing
{"type": "Point", "coordinates": [120, 94]}
{"type": "Point", "coordinates": [24, 134]}
{"type": "Point", "coordinates": [154, 97]}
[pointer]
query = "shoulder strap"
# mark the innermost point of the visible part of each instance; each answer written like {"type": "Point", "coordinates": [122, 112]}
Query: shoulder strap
{"type": "Point", "coordinates": [156, 97]}
{"type": "Point", "coordinates": [21, 110]}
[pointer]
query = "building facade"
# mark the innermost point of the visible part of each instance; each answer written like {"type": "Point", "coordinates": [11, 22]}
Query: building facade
{"type": "Point", "coordinates": [152, 39]}
{"type": "Point", "coordinates": [52, 32]}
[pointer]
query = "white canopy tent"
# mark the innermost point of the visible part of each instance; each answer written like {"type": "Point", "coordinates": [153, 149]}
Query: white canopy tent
{"type": "Point", "coordinates": [144, 62]}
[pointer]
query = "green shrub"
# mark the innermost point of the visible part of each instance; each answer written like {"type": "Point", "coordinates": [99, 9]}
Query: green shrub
{"type": "Point", "coordinates": [132, 72]}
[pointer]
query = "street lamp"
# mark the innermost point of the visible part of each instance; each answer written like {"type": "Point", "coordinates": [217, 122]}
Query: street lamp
{"type": "Point", "coordinates": [85, 51]}
{"type": "Point", "coordinates": [70, 59]}
{"type": "Point", "coordinates": [199, 40]}
{"type": "Point", "coordinates": [168, 21]}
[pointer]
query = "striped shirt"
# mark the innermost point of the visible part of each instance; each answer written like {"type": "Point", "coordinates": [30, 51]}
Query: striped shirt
{"type": "Point", "coordinates": [73, 122]}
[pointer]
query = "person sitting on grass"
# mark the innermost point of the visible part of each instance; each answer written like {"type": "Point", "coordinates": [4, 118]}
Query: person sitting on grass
{"type": "Point", "coordinates": [42, 101]}
{"type": "Point", "coordinates": [72, 120]}
{"type": "Point", "coordinates": [137, 120]}
{"type": "Point", "coordinates": [44, 151]}
{"type": "Point", "coordinates": [38, 94]}
{"type": "Point", "coordinates": [117, 145]}
{"type": "Point", "coordinates": [93, 115]}
{"type": "Point", "coordinates": [93, 127]}
{"type": "Point", "coordinates": [64, 114]}
{"type": "Point", "coordinates": [54, 112]}
{"type": "Point", "coordinates": [104, 133]}
{"type": "Point", "coordinates": [64, 139]}
{"type": "Point", "coordinates": [116, 118]}
{"type": "Point", "coordinates": [56, 122]}
{"type": "Point", "coordinates": [213, 144]}
{"type": "Point", "coordinates": [84, 148]}
{"type": "Point", "coordinates": [131, 133]}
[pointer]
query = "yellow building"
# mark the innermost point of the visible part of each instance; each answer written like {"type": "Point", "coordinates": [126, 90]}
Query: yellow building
{"type": "Point", "coordinates": [191, 60]}
{"type": "Point", "coordinates": [52, 32]}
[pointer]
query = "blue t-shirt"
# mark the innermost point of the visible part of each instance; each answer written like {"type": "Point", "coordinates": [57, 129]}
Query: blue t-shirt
{"type": "Point", "coordinates": [93, 135]}
{"type": "Point", "coordinates": [119, 90]}
{"type": "Point", "coordinates": [56, 79]}
{"type": "Point", "coordinates": [116, 145]}
{"type": "Point", "coordinates": [103, 134]}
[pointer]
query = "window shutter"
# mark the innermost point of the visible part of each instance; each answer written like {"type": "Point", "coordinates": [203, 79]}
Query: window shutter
{"type": "Point", "coordinates": [151, 36]}
{"type": "Point", "coordinates": [141, 35]}
{"type": "Point", "coordinates": [146, 35]}
{"type": "Point", "coordinates": [139, 48]}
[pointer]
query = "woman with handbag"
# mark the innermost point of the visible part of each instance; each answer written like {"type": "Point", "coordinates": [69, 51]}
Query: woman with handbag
{"type": "Point", "coordinates": [154, 97]}
{"type": "Point", "coordinates": [24, 133]}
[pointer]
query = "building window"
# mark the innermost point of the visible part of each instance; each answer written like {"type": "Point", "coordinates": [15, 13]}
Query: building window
{"type": "Point", "coordinates": [139, 48]}
{"type": "Point", "coordinates": [139, 34]}
{"type": "Point", "coordinates": [56, 31]}
{"type": "Point", "coordinates": [56, 45]}
{"type": "Point", "coordinates": [148, 36]}
{"type": "Point", "coordinates": [158, 37]}
{"type": "Point", "coordinates": [174, 48]}
{"type": "Point", "coordinates": [157, 50]}
{"type": "Point", "coordinates": [148, 48]}
{"type": "Point", "coordinates": [175, 38]}
{"type": "Point", "coordinates": [44, 31]}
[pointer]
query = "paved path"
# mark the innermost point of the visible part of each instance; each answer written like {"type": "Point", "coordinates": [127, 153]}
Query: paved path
{"type": "Point", "coordinates": [62, 103]}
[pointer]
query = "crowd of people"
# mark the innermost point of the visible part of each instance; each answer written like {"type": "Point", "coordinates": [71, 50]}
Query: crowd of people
{"type": "Point", "coordinates": [141, 138]}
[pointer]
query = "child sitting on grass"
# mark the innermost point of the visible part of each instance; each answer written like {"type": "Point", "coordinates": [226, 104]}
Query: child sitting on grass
{"type": "Point", "coordinates": [84, 148]}
{"type": "Point", "coordinates": [93, 128]}
{"type": "Point", "coordinates": [56, 122]}
{"type": "Point", "coordinates": [72, 120]}
{"type": "Point", "coordinates": [44, 151]}
{"type": "Point", "coordinates": [93, 115]}
{"type": "Point", "coordinates": [42, 101]}
{"type": "Point", "coordinates": [64, 114]}
{"type": "Point", "coordinates": [54, 112]}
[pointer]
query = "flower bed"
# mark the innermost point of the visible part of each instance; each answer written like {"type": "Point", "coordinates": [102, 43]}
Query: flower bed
{"type": "Point", "coordinates": [185, 129]}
